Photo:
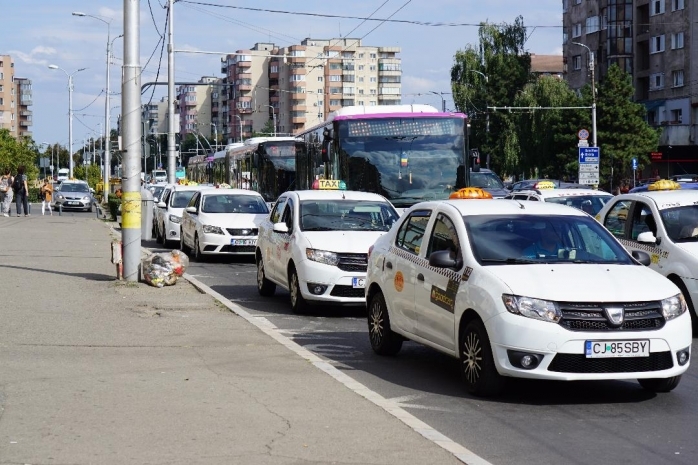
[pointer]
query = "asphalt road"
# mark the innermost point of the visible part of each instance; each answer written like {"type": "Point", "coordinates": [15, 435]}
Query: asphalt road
{"type": "Point", "coordinates": [534, 422]}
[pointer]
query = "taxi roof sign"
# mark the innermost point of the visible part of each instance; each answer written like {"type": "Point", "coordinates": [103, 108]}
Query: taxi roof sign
{"type": "Point", "coordinates": [545, 185]}
{"type": "Point", "coordinates": [329, 185]}
{"type": "Point", "coordinates": [664, 185]}
{"type": "Point", "coordinates": [470, 193]}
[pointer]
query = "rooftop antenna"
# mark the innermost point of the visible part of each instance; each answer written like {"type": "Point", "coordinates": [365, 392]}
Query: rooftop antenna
{"type": "Point", "coordinates": [340, 29]}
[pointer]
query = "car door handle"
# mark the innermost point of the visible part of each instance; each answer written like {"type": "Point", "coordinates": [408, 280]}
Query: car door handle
{"type": "Point", "coordinates": [389, 265]}
{"type": "Point", "coordinates": [420, 277]}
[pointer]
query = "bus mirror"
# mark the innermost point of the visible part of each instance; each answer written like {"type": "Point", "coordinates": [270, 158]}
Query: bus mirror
{"type": "Point", "coordinates": [326, 150]}
{"type": "Point", "coordinates": [328, 133]}
{"type": "Point", "coordinates": [475, 160]}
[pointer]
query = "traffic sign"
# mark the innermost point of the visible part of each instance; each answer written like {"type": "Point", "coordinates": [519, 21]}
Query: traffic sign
{"type": "Point", "coordinates": [589, 181]}
{"type": "Point", "coordinates": [588, 175]}
{"type": "Point", "coordinates": [634, 163]}
{"type": "Point", "coordinates": [583, 134]}
{"type": "Point", "coordinates": [583, 143]}
{"type": "Point", "coordinates": [589, 155]}
{"type": "Point", "coordinates": [589, 167]}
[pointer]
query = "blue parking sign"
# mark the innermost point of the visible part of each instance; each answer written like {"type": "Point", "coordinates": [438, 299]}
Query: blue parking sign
{"type": "Point", "coordinates": [634, 162]}
{"type": "Point", "coordinates": [589, 155]}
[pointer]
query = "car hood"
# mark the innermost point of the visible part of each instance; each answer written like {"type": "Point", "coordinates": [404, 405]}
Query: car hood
{"type": "Point", "coordinates": [342, 241]}
{"type": "Point", "coordinates": [232, 220]}
{"type": "Point", "coordinates": [584, 282]}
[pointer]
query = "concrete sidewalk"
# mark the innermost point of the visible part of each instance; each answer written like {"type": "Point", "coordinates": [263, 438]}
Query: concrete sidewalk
{"type": "Point", "coordinates": [95, 371]}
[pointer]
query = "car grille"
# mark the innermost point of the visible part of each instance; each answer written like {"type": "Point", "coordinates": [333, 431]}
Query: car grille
{"type": "Point", "coordinates": [639, 316]}
{"type": "Point", "coordinates": [240, 231]}
{"type": "Point", "coordinates": [579, 363]}
{"type": "Point", "coordinates": [347, 291]}
{"type": "Point", "coordinates": [353, 262]}
{"type": "Point", "coordinates": [238, 248]}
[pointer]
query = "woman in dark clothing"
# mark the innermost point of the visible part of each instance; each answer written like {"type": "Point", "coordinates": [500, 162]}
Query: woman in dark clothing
{"type": "Point", "coordinates": [21, 191]}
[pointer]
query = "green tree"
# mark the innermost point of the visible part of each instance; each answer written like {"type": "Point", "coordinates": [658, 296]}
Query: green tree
{"type": "Point", "coordinates": [267, 130]}
{"type": "Point", "coordinates": [17, 152]}
{"type": "Point", "coordinates": [623, 133]}
{"type": "Point", "coordinates": [90, 173]}
{"type": "Point", "coordinates": [490, 75]}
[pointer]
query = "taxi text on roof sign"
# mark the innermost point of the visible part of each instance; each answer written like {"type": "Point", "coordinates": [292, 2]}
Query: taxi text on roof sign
{"type": "Point", "coordinates": [329, 184]}
{"type": "Point", "coordinates": [664, 185]}
{"type": "Point", "coordinates": [545, 185]}
{"type": "Point", "coordinates": [470, 193]}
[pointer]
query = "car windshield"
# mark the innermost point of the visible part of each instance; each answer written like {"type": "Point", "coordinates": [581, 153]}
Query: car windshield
{"type": "Point", "coordinates": [157, 190]}
{"type": "Point", "coordinates": [230, 203]}
{"type": "Point", "coordinates": [181, 199]}
{"type": "Point", "coordinates": [74, 187]}
{"type": "Point", "coordinates": [526, 239]}
{"type": "Point", "coordinates": [485, 180]}
{"type": "Point", "coordinates": [591, 204]}
{"type": "Point", "coordinates": [681, 223]}
{"type": "Point", "coordinates": [346, 215]}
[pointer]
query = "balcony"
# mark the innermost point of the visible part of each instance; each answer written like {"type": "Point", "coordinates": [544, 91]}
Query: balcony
{"type": "Point", "coordinates": [298, 120]}
{"type": "Point", "coordinates": [301, 108]}
{"type": "Point", "coordinates": [389, 97]}
{"type": "Point", "coordinates": [25, 123]}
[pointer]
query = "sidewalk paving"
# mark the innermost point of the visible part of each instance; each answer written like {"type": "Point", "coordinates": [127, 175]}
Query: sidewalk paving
{"type": "Point", "coordinates": [93, 370]}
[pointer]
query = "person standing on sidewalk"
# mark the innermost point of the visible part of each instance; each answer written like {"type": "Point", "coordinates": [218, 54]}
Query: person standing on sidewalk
{"type": "Point", "coordinates": [19, 185]}
{"type": "Point", "coordinates": [46, 194]}
{"type": "Point", "coordinates": [5, 192]}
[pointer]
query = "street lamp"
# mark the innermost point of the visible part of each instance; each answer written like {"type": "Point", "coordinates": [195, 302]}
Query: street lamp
{"type": "Point", "coordinates": [239, 118]}
{"type": "Point", "coordinates": [106, 158]}
{"type": "Point", "coordinates": [443, 100]}
{"type": "Point", "coordinates": [70, 113]}
{"type": "Point", "coordinates": [273, 114]}
{"type": "Point", "coordinates": [215, 137]}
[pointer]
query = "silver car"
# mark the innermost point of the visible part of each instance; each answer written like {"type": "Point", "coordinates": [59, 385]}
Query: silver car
{"type": "Point", "coordinates": [73, 195]}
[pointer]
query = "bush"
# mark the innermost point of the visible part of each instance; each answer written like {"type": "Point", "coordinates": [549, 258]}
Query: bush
{"type": "Point", "coordinates": [114, 203]}
{"type": "Point", "coordinates": [33, 195]}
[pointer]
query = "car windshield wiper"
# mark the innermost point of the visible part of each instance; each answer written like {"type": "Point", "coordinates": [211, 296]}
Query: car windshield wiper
{"type": "Point", "coordinates": [510, 261]}
{"type": "Point", "coordinates": [319, 228]}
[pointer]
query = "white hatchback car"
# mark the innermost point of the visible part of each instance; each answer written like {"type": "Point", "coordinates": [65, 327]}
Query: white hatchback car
{"type": "Point", "coordinates": [315, 244]}
{"type": "Point", "coordinates": [531, 291]}
{"type": "Point", "coordinates": [222, 221]}
{"type": "Point", "coordinates": [168, 216]}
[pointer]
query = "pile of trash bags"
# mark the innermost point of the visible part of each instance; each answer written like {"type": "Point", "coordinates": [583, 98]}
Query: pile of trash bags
{"type": "Point", "coordinates": [163, 269]}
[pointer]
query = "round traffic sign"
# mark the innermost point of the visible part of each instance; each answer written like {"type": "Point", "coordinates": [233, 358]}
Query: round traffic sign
{"type": "Point", "coordinates": [583, 134]}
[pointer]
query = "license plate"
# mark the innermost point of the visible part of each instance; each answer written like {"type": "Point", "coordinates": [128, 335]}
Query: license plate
{"type": "Point", "coordinates": [243, 241]}
{"type": "Point", "coordinates": [72, 203]}
{"type": "Point", "coordinates": [610, 349]}
{"type": "Point", "coordinates": [358, 283]}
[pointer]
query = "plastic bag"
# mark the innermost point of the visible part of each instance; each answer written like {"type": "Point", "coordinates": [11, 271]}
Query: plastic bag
{"type": "Point", "coordinates": [163, 269]}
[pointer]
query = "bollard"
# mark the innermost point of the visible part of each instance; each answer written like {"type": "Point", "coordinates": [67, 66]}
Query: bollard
{"type": "Point", "coordinates": [60, 209]}
{"type": "Point", "coordinates": [117, 258]}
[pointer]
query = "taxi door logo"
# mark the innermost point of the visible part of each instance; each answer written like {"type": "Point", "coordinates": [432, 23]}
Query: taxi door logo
{"type": "Point", "coordinates": [399, 281]}
{"type": "Point", "coordinates": [445, 299]}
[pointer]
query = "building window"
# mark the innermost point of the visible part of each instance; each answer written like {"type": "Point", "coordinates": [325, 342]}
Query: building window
{"type": "Point", "coordinates": [564, 38]}
{"type": "Point", "coordinates": [592, 24]}
{"type": "Point", "coordinates": [361, 55]}
{"type": "Point", "coordinates": [676, 115]}
{"type": "Point", "coordinates": [334, 103]}
{"type": "Point", "coordinates": [577, 30]}
{"type": "Point", "coordinates": [677, 77]}
{"type": "Point", "coordinates": [372, 79]}
{"type": "Point", "coordinates": [361, 67]}
{"type": "Point", "coordinates": [372, 68]}
{"type": "Point", "coordinates": [297, 77]}
{"type": "Point", "coordinates": [361, 79]}
{"type": "Point", "coordinates": [360, 102]}
{"type": "Point", "coordinates": [677, 40]}
{"type": "Point", "coordinates": [372, 103]}
{"type": "Point", "coordinates": [657, 44]}
{"type": "Point", "coordinates": [657, 7]}
{"type": "Point", "coordinates": [577, 62]}
{"type": "Point", "coordinates": [337, 78]}
{"type": "Point", "coordinates": [652, 117]}
{"type": "Point", "coordinates": [373, 55]}
{"type": "Point", "coordinates": [319, 91]}
{"type": "Point", "coordinates": [565, 5]}
{"type": "Point", "coordinates": [657, 81]}
{"type": "Point", "coordinates": [361, 91]}
{"type": "Point", "coordinates": [274, 69]}
{"type": "Point", "coordinates": [373, 91]}
{"type": "Point", "coordinates": [577, 2]}
{"type": "Point", "coordinates": [677, 5]}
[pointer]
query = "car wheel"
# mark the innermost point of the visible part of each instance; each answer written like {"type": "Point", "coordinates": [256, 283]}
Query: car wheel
{"type": "Point", "coordinates": [196, 252]}
{"type": "Point", "coordinates": [660, 384]}
{"type": "Point", "coordinates": [265, 287]}
{"type": "Point", "coordinates": [383, 340]}
{"type": "Point", "coordinates": [298, 303]}
{"type": "Point", "coordinates": [478, 370]}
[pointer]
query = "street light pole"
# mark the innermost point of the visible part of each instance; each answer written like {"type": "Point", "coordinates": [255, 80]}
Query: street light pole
{"type": "Point", "coordinates": [443, 100]}
{"type": "Point", "coordinates": [273, 114]}
{"type": "Point", "coordinates": [215, 137]}
{"type": "Point", "coordinates": [70, 113]}
{"type": "Point", "coordinates": [240, 119]}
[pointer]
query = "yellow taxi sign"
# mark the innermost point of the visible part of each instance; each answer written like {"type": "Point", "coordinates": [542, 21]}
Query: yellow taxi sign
{"type": "Point", "coordinates": [664, 185]}
{"type": "Point", "coordinates": [329, 185]}
{"type": "Point", "coordinates": [470, 193]}
{"type": "Point", "coordinates": [545, 185]}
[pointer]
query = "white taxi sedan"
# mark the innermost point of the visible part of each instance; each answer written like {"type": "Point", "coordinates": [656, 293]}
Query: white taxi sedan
{"type": "Point", "coordinates": [315, 244]}
{"type": "Point", "coordinates": [588, 200]}
{"type": "Point", "coordinates": [222, 221]}
{"type": "Point", "coordinates": [662, 221]}
{"type": "Point", "coordinates": [168, 216]}
{"type": "Point", "coordinates": [532, 290]}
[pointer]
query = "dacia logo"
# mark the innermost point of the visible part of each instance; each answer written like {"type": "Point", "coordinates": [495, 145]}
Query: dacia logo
{"type": "Point", "coordinates": [615, 315]}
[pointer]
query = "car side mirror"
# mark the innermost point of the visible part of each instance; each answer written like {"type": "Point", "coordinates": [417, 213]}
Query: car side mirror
{"type": "Point", "coordinates": [444, 259]}
{"type": "Point", "coordinates": [647, 238]}
{"type": "Point", "coordinates": [162, 205]}
{"type": "Point", "coordinates": [642, 257]}
{"type": "Point", "coordinates": [156, 200]}
{"type": "Point", "coordinates": [280, 228]}
{"type": "Point", "coordinates": [92, 191]}
{"type": "Point", "coordinates": [191, 210]}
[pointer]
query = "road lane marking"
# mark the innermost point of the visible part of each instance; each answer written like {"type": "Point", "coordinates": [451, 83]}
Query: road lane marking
{"type": "Point", "coordinates": [404, 402]}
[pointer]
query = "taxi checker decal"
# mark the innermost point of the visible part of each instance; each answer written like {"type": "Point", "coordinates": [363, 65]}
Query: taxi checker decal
{"type": "Point", "coordinates": [651, 249]}
{"type": "Point", "coordinates": [450, 274]}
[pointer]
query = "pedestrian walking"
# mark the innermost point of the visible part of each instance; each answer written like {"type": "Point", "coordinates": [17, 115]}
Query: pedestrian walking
{"type": "Point", "coordinates": [46, 194]}
{"type": "Point", "coordinates": [21, 191]}
{"type": "Point", "coordinates": [6, 193]}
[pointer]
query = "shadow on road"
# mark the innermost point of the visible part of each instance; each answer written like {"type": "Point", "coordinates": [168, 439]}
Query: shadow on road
{"type": "Point", "coordinates": [88, 276]}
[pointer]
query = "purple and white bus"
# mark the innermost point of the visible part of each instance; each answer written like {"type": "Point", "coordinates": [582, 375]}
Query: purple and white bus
{"type": "Point", "coordinates": [407, 153]}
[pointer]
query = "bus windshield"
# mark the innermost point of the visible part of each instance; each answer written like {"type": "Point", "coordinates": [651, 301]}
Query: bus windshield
{"type": "Point", "coordinates": [405, 159]}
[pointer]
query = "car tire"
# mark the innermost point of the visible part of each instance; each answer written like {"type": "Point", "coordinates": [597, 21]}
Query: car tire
{"type": "Point", "coordinates": [383, 340]}
{"type": "Point", "coordinates": [265, 287]}
{"type": "Point", "coordinates": [660, 384]}
{"type": "Point", "coordinates": [196, 250]}
{"type": "Point", "coordinates": [298, 303]}
{"type": "Point", "coordinates": [477, 367]}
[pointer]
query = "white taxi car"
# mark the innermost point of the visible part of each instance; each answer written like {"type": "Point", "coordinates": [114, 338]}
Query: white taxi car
{"type": "Point", "coordinates": [222, 221]}
{"type": "Point", "coordinates": [662, 221]}
{"type": "Point", "coordinates": [315, 244]}
{"type": "Point", "coordinates": [588, 200]}
{"type": "Point", "coordinates": [168, 216]}
{"type": "Point", "coordinates": [530, 290]}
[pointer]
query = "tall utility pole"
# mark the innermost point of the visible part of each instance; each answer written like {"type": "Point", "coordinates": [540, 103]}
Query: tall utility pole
{"type": "Point", "coordinates": [443, 100]}
{"type": "Point", "coordinates": [171, 151]}
{"type": "Point", "coordinates": [131, 111]}
{"type": "Point", "coordinates": [273, 114]}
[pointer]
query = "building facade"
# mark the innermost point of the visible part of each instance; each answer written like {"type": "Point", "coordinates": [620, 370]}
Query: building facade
{"type": "Point", "coordinates": [15, 100]}
{"type": "Point", "coordinates": [298, 86]}
{"type": "Point", "coordinates": [199, 107]}
{"type": "Point", "coordinates": [656, 41]}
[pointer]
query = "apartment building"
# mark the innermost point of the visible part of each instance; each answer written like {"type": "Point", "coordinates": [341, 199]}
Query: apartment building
{"type": "Point", "coordinates": [547, 65]}
{"type": "Point", "coordinates": [199, 107]}
{"type": "Point", "coordinates": [298, 86]}
{"type": "Point", "coordinates": [656, 41]}
{"type": "Point", "coordinates": [15, 100]}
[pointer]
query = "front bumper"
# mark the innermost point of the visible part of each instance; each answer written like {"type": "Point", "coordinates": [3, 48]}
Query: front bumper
{"type": "Point", "coordinates": [563, 354]}
{"type": "Point", "coordinates": [67, 204]}
{"type": "Point", "coordinates": [221, 244]}
{"type": "Point", "coordinates": [339, 284]}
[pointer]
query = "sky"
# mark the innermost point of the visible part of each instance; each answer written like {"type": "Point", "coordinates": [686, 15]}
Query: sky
{"type": "Point", "coordinates": [39, 33]}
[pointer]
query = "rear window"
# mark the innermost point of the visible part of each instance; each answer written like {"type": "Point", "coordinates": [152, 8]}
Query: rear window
{"type": "Point", "coordinates": [181, 199]}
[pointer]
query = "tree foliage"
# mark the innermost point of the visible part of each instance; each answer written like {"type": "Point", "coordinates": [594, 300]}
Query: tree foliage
{"type": "Point", "coordinates": [17, 152]}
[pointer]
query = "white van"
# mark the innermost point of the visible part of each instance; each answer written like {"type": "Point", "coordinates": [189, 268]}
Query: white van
{"type": "Point", "coordinates": [63, 174]}
{"type": "Point", "coordinates": [159, 175]}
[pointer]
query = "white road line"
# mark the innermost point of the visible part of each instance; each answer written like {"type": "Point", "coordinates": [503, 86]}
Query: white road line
{"type": "Point", "coordinates": [389, 405]}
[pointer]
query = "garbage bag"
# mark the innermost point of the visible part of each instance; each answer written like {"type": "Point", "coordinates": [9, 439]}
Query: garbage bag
{"type": "Point", "coordinates": [163, 269]}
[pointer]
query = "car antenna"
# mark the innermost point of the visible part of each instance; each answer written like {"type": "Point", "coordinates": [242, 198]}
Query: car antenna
{"type": "Point", "coordinates": [521, 206]}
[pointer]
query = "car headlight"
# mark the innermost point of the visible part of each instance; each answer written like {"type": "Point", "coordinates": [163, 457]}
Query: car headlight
{"type": "Point", "coordinates": [674, 306]}
{"type": "Point", "coordinates": [175, 219]}
{"type": "Point", "coordinates": [60, 197]}
{"type": "Point", "coordinates": [85, 198]}
{"type": "Point", "coordinates": [208, 229]}
{"type": "Point", "coordinates": [322, 256]}
{"type": "Point", "coordinates": [532, 308]}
